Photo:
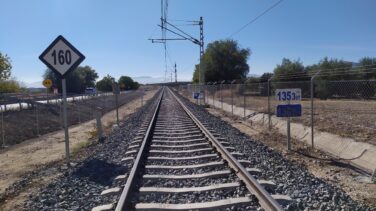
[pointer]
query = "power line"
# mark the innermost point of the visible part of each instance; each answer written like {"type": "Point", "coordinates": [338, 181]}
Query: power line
{"type": "Point", "coordinates": [254, 19]}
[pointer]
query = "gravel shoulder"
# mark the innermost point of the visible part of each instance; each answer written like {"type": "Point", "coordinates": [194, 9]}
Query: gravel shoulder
{"type": "Point", "coordinates": [35, 162]}
{"type": "Point", "coordinates": [317, 163]}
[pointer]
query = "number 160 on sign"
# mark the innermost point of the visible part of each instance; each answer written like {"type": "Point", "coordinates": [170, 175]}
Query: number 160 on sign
{"type": "Point", "coordinates": [288, 94]}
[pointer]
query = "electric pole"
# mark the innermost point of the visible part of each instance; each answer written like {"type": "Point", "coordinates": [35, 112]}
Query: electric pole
{"type": "Point", "coordinates": [179, 34]}
{"type": "Point", "coordinates": [201, 72]}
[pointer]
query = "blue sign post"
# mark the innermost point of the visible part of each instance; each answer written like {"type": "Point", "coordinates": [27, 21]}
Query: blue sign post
{"type": "Point", "coordinates": [287, 109]}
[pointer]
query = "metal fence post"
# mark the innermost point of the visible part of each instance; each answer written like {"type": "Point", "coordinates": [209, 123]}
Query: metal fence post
{"type": "Point", "coordinates": [2, 126]}
{"type": "Point", "coordinates": [269, 113]}
{"type": "Point", "coordinates": [206, 94]}
{"type": "Point", "coordinates": [312, 109]}
{"type": "Point", "coordinates": [232, 98]}
{"type": "Point", "coordinates": [244, 103]}
{"type": "Point", "coordinates": [37, 118]}
{"type": "Point", "coordinates": [98, 116]}
{"type": "Point", "coordinates": [117, 109]}
{"type": "Point", "coordinates": [214, 91]}
{"type": "Point", "coordinates": [220, 92]}
{"type": "Point", "coordinates": [79, 113]}
{"type": "Point", "coordinates": [142, 98]}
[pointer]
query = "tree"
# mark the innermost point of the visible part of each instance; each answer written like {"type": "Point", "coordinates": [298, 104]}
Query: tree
{"type": "Point", "coordinates": [9, 86]}
{"type": "Point", "coordinates": [368, 68]}
{"type": "Point", "coordinates": [288, 74]}
{"type": "Point", "coordinates": [77, 80]}
{"type": "Point", "coordinates": [223, 60]}
{"type": "Point", "coordinates": [331, 71]}
{"type": "Point", "coordinates": [252, 79]}
{"type": "Point", "coordinates": [105, 85]}
{"type": "Point", "coordinates": [290, 71]}
{"type": "Point", "coordinates": [89, 75]}
{"type": "Point", "coordinates": [127, 83]}
{"type": "Point", "coordinates": [5, 67]}
{"type": "Point", "coordinates": [196, 76]}
{"type": "Point", "coordinates": [136, 85]}
{"type": "Point", "coordinates": [265, 77]}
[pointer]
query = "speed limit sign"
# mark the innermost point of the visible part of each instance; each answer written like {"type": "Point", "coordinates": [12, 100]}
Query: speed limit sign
{"type": "Point", "coordinates": [61, 57]}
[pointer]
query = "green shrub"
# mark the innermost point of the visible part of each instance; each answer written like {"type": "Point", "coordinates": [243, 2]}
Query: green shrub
{"type": "Point", "coordinates": [9, 86]}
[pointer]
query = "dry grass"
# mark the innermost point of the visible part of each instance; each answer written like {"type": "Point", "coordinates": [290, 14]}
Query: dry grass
{"type": "Point", "coordinates": [79, 146]}
{"type": "Point", "coordinates": [93, 133]}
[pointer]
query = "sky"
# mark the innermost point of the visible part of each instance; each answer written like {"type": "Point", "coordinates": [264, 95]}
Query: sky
{"type": "Point", "coordinates": [113, 34]}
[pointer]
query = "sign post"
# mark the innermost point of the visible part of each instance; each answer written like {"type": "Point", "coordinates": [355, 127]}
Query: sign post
{"type": "Point", "coordinates": [47, 83]}
{"type": "Point", "coordinates": [286, 109]}
{"type": "Point", "coordinates": [62, 58]}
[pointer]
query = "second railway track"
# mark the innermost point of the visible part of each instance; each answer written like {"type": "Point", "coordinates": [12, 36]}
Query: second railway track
{"type": "Point", "coordinates": [179, 164]}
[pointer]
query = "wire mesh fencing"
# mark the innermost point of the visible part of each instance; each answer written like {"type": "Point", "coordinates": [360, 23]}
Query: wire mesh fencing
{"type": "Point", "coordinates": [25, 116]}
{"type": "Point", "coordinates": [347, 108]}
{"type": "Point", "coordinates": [343, 107]}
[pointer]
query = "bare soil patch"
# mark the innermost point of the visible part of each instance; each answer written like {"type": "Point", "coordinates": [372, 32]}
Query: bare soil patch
{"type": "Point", "coordinates": [348, 118]}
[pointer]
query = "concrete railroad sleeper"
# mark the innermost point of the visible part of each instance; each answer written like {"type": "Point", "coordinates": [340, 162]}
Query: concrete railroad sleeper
{"type": "Point", "coordinates": [156, 136]}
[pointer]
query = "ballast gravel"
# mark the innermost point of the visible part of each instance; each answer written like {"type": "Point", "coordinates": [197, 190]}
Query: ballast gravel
{"type": "Point", "coordinates": [186, 183]}
{"type": "Point", "coordinates": [79, 188]}
{"type": "Point", "coordinates": [193, 197]}
{"type": "Point", "coordinates": [292, 179]}
{"type": "Point", "coordinates": [183, 162]}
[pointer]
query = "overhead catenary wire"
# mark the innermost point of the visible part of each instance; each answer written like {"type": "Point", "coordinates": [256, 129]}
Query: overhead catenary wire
{"type": "Point", "coordinates": [255, 19]}
{"type": "Point", "coordinates": [191, 38]}
{"type": "Point", "coordinates": [189, 21]}
{"type": "Point", "coordinates": [169, 57]}
{"type": "Point", "coordinates": [167, 26]}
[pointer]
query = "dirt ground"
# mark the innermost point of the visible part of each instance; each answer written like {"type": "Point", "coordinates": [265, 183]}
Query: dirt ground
{"type": "Point", "coordinates": [21, 159]}
{"type": "Point", "coordinates": [352, 118]}
{"type": "Point", "coordinates": [22, 125]}
{"type": "Point", "coordinates": [351, 180]}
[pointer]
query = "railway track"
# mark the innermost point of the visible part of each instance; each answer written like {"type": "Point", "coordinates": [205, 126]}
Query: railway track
{"type": "Point", "coordinates": [179, 164]}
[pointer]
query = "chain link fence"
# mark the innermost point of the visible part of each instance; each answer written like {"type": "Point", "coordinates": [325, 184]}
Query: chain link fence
{"type": "Point", "coordinates": [345, 107]}
{"type": "Point", "coordinates": [25, 116]}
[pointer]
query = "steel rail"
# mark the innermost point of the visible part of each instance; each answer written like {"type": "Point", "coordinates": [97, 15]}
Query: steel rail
{"type": "Point", "coordinates": [265, 199]}
{"type": "Point", "coordinates": [136, 166]}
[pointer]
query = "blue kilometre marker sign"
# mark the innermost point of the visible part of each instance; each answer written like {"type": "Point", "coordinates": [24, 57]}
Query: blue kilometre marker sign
{"type": "Point", "coordinates": [289, 110]}
{"type": "Point", "coordinates": [288, 99]}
